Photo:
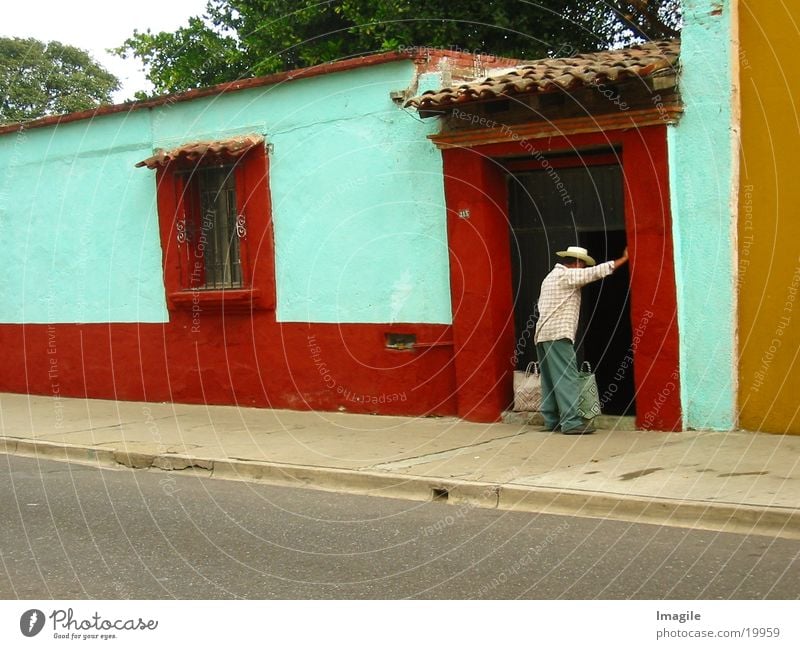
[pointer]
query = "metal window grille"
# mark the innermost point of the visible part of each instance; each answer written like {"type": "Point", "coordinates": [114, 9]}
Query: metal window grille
{"type": "Point", "coordinates": [213, 228]}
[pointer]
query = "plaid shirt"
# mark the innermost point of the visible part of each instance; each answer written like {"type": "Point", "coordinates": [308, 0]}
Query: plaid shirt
{"type": "Point", "coordinates": [560, 300]}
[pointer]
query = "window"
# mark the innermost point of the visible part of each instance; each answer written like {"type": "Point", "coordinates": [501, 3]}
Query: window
{"type": "Point", "coordinates": [214, 218]}
{"type": "Point", "coordinates": [213, 228]}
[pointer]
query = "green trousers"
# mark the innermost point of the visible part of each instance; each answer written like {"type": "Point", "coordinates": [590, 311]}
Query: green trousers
{"type": "Point", "coordinates": [560, 386]}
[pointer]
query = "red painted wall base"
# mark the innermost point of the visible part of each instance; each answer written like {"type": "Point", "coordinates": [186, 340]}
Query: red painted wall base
{"type": "Point", "coordinates": [242, 359]}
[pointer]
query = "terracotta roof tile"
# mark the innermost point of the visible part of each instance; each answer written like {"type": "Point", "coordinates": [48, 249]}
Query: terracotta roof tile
{"type": "Point", "coordinates": [549, 75]}
{"type": "Point", "coordinates": [195, 151]}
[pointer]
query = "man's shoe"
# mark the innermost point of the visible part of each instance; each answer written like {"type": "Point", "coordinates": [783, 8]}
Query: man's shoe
{"type": "Point", "coordinates": [585, 429]}
{"type": "Point", "coordinates": [547, 429]}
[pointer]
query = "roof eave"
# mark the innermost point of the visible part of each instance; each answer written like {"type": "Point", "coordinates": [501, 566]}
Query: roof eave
{"type": "Point", "coordinates": [417, 55]}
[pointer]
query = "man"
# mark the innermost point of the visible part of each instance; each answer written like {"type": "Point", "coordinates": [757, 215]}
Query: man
{"type": "Point", "coordinates": [559, 309]}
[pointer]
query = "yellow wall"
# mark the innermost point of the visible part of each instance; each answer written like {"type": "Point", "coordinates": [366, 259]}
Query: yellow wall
{"type": "Point", "coordinates": [769, 217]}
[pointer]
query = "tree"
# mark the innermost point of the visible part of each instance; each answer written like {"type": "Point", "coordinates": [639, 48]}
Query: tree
{"type": "Point", "coordinates": [241, 38]}
{"type": "Point", "coordinates": [244, 38]}
{"type": "Point", "coordinates": [40, 79]}
{"type": "Point", "coordinates": [646, 19]}
{"type": "Point", "coordinates": [525, 29]}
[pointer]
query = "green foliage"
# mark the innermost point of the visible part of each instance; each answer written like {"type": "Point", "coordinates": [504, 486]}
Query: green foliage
{"type": "Point", "coordinates": [524, 29]}
{"type": "Point", "coordinates": [40, 79]}
{"type": "Point", "coordinates": [235, 39]}
{"type": "Point", "coordinates": [244, 38]}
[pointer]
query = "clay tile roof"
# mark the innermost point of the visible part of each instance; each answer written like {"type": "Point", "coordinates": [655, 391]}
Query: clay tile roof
{"type": "Point", "coordinates": [549, 75]}
{"type": "Point", "coordinates": [195, 151]}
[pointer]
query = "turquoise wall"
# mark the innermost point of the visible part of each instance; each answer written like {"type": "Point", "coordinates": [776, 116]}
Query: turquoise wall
{"type": "Point", "coordinates": [357, 196]}
{"type": "Point", "coordinates": [78, 227]}
{"type": "Point", "coordinates": [702, 176]}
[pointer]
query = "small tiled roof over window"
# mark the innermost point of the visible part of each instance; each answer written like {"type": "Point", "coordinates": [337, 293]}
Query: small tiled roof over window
{"type": "Point", "coordinates": [196, 151]}
{"type": "Point", "coordinates": [565, 74]}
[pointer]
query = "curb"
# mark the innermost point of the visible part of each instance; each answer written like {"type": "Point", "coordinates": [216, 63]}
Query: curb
{"type": "Point", "coordinates": [780, 522]}
{"type": "Point", "coordinates": [721, 517]}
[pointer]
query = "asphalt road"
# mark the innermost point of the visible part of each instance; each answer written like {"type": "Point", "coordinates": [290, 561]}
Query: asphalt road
{"type": "Point", "coordinates": [72, 532]}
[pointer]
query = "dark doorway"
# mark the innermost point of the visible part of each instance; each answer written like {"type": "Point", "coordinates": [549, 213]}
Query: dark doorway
{"type": "Point", "coordinates": [604, 332]}
{"type": "Point", "coordinates": [553, 205]}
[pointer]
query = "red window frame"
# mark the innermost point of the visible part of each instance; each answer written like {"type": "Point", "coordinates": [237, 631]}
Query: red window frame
{"type": "Point", "coordinates": [256, 248]}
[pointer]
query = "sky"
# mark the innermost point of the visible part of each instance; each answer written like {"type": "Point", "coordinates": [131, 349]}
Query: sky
{"type": "Point", "coordinates": [96, 26]}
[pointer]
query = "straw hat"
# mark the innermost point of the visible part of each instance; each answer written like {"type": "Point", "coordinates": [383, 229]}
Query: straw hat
{"type": "Point", "coordinates": [578, 253]}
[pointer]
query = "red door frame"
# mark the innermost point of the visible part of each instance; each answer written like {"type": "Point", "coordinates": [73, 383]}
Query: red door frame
{"type": "Point", "coordinates": [480, 270]}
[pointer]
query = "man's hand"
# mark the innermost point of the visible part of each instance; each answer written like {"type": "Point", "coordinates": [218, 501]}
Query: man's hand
{"type": "Point", "coordinates": [622, 260]}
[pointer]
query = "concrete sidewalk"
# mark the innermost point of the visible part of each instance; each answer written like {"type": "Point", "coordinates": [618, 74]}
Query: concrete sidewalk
{"type": "Point", "coordinates": [737, 482]}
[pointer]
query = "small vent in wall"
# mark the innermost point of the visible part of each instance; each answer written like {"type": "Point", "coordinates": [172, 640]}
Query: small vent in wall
{"type": "Point", "coordinates": [401, 341]}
